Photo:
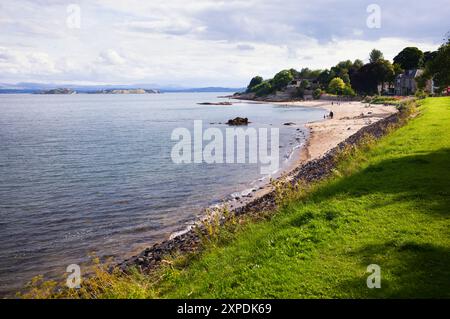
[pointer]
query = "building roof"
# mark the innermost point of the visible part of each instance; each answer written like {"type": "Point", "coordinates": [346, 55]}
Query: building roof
{"type": "Point", "coordinates": [410, 74]}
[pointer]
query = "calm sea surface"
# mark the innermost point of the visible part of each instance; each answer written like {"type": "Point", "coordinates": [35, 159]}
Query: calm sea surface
{"type": "Point", "coordinates": [83, 174]}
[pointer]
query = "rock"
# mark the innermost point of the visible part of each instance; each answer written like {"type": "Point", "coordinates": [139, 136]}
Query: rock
{"type": "Point", "coordinates": [215, 103]}
{"type": "Point", "coordinates": [289, 123]}
{"type": "Point", "coordinates": [238, 121]}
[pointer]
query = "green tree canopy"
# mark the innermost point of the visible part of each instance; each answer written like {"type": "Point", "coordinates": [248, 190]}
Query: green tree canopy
{"type": "Point", "coordinates": [294, 73]}
{"type": "Point", "coordinates": [307, 73]}
{"type": "Point", "coordinates": [263, 88]}
{"type": "Point", "coordinates": [317, 94]}
{"type": "Point", "coordinates": [375, 55]}
{"type": "Point", "coordinates": [336, 86]}
{"type": "Point", "coordinates": [428, 56]}
{"type": "Point", "coordinates": [358, 64]}
{"type": "Point", "coordinates": [254, 82]}
{"type": "Point", "coordinates": [368, 77]}
{"type": "Point", "coordinates": [305, 84]}
{"type": "Point", "coordinates": [398, 69]}
{"type": "Point", "coordinates": [348, 91]}
{"type": "Point", "coordinates": [324, 78]}
{"type": "Point", "coordinates": [384, 71]}
{"type": "Point", "coordinates": [409, 58]}
{"type": "Point", "coordinates": [439, 67]}
{"type": "Point", "coordinates": [282, 79]}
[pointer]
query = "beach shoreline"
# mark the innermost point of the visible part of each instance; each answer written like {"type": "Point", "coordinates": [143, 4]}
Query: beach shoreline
{"type": "Point", "coordinates": [324, 136]}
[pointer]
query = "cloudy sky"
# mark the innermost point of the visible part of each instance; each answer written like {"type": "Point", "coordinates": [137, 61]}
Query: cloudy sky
{"type": "Point", "coordinates": [203, 42]}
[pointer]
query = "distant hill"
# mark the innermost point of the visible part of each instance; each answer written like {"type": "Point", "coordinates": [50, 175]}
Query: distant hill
{"type": "Point", "coordinates": [30, 87]}
{"type": "Point", "coordinates": [206, 89]}
{"type": "Point", "coordinates": [57, 91]}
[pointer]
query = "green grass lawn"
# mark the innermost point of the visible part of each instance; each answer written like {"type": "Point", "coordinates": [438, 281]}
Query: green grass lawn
{"type": "Point", "coordinates": [387, 205]}
{"type": "Point", "coordinates": [391, 210]}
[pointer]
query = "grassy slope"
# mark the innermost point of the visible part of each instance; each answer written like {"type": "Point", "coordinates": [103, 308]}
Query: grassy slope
{"type": "Point", "coordinates": [391, 210]}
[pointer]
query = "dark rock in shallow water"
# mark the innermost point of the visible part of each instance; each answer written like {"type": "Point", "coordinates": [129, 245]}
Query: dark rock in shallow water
{"type": "Point", "coordinates": [215, 103]}
{"type": "Point", "coordinates": [238, 121]}
{"type": "Point", "coordinates": [289, 123]}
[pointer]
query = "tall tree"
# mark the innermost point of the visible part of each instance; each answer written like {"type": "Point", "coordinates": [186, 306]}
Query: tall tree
{"type": "Point", "coordinates": [364, 81]}
{"type": "Point", "coordinates": [375, 55]}
{"type": "Point", "coordinates": [384, 72]}
{"type": "Point", "coordinates": [398, 69]}
{"type": "Point", "coordinates": [409, 58]}
{"type": "Point", "coordinates": [428, 56]}
{"type": "Point", "coordinates": [324, 78]}
{"type": "Point", "coordinates": [439, 67]}
{"type": "Point", "coordinates": [368, 77]}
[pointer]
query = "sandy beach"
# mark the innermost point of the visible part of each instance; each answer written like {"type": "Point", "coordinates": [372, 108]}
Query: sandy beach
{"type": "Point", "coordinates": [349, 117]}
{"type": "Point", "coordinates": [324, 135]}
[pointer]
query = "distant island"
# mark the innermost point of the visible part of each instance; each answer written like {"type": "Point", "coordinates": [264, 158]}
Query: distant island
{"type": "Point", "coordinates": [55, 88]}
{"type": "Point", "coordinates": [109, 91]}
{"type": "Point", "coordinates": [57, 91]}
{"type": "Point", "coordinates": [126, 91]}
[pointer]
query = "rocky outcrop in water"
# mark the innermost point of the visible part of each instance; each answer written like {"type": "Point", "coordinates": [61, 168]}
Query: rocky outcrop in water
{"type": "Point", "coordinates": [238, 121]}
{"type": "Point", "coordinates": [215, 103]}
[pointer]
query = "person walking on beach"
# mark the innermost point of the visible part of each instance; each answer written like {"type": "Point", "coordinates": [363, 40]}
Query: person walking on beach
{"type": "Point", "coordinates": [331, 114]}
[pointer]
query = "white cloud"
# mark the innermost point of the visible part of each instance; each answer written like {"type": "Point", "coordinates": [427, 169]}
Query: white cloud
{"type": "Point", "coordinates": [204, 42]}
{"type": "Point", "coordinates": [111, 57]}
{"type": "Point", "coordinates": [245, 47]}
{"type": "Point", "coordinates": [21, 62]}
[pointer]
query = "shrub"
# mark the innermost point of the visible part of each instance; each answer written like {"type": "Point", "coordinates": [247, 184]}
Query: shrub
{"type": "Point", "coordinates": [391, 100]}
{"type": "Point", "coordinates": [263, 88]}
{"type": "Point", "coordinates": [420, 94]}
{"type": "Point", "coordinates": [317, 94]}
{"type": "Point", "coordinates": [336, 86]}
{"type": "Point", "coordinates": [348, 91]}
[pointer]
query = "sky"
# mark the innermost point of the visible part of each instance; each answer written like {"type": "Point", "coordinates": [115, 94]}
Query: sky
{"type": "Point", "coordinates": [203, 42]}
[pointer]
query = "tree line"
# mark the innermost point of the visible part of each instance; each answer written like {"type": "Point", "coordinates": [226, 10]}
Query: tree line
{"type": "Point", "coordinates": [349, 78]}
